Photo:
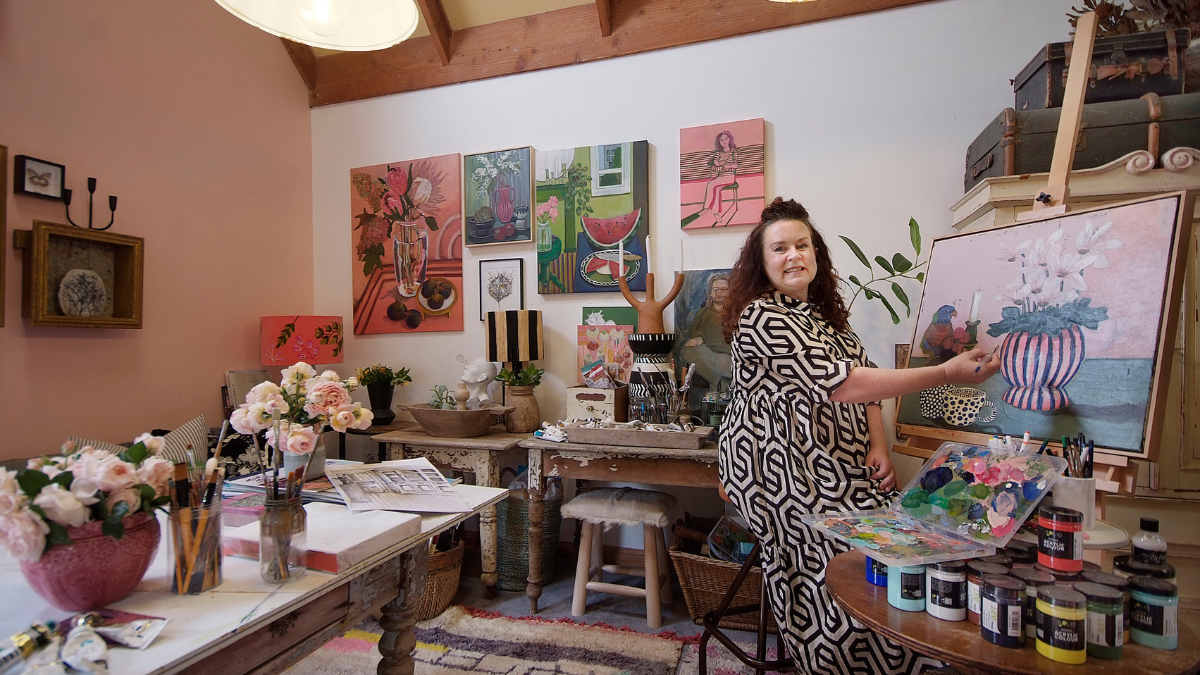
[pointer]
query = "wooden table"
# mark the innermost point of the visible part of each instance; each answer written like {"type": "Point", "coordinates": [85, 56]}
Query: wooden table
{"type": "Point", "coordinates": [484, 456]}
{"type": "Point", "coordinates": [654, 466]}
{"type": "Point", "coordinates": [960, 644]}
{"type": "Point", "coordinates": [247, 626]}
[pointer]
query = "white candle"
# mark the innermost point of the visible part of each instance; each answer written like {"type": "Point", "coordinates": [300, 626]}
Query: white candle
{"type": "Point", "coordinates": [975, 306]}
{"type": "Point", "coordinates": [649, 267]}
{"type": "Point", "coordinates": [621, 257]}
{"type": "Point", "coordinates": [681, 267]}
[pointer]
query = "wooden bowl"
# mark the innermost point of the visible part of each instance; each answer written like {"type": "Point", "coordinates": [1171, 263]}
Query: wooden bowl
{"type": "Point", "coordinates": [450, 423]}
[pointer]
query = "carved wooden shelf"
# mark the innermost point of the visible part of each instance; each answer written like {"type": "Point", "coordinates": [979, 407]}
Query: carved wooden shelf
{"type": "Point", "coordinates": [49, 250]}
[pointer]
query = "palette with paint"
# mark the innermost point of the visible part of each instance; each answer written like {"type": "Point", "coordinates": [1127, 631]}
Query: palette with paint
{"type": "Point", "coordinates": [965, 502]}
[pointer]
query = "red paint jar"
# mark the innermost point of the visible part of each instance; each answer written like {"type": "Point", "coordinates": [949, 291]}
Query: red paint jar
{"type": "Point", "coordinates": [1060, 538]}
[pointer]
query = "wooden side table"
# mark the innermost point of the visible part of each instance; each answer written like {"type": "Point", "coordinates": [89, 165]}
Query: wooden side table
{"type": "Point", "coordinates": [960, 644]}
{"type": "Point", "coordinates": [373, 430]}
{"type": "Point", "coordinates": [483, 456]}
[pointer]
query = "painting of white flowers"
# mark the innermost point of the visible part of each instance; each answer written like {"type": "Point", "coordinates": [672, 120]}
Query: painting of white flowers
{"type": "Point", "coordinates": [497, 187]}
{"type": "Point", "coordinates": [407, 266]}
{"type": "Point", "coordinates": [1079, 307]}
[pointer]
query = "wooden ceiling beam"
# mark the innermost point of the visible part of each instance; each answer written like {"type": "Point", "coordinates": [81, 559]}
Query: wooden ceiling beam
{"type": "Point", "coordinates": [565, 37]}
{"type": "Point", "coordinates": [439, 27]}
{"type": "Point", "coordinates": [305, 61]}
{"type": "Point", "coordinates": [604, 10]}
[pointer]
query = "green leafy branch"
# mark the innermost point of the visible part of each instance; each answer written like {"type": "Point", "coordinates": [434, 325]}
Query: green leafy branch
{"type": "Point", "coordinates": [899, 267]}
{"type": "Point", "coordinates": [579, 190]}
{"type": "Point", "coordinates": [331, 334]}
{"type": "Point", "coordinates": [286, 333]}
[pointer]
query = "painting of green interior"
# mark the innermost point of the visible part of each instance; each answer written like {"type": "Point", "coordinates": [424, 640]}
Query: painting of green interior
{"type": "Point", "coordinates": [589, 201]}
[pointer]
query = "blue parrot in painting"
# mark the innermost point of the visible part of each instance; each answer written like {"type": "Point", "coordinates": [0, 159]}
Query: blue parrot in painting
{"type": "Point", "coordinates": [937, 332]}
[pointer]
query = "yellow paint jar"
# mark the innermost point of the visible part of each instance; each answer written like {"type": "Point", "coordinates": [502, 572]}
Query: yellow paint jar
{"type": "Point", "coordinates": [1062, 624]}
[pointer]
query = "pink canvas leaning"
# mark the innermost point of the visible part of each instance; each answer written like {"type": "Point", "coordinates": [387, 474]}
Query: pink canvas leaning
{"type": "Point", "coordinates": [722, 174]}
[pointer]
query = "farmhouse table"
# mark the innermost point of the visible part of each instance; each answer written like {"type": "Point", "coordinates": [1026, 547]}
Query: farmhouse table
{"type": "Point", "coordinates": [960, 644]}
{"type": "Point", "coordinates": [247, 626]}
{"type": "Point", "coordinates": [653, 466]}
{"type": "Point", "coordinates": [484, 456]}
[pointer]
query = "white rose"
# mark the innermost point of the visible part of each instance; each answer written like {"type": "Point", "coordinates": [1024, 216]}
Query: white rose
{"type": "Point", "coordinates": [23, 534]}
{"type": "Point", "coordinates": [363, 415]}
{"type": "Point", "coordinates": [276, 404]}
{"type": "Point", "coordinates": [154, 444]}
{"type": "Point", "coordinates": [343, 419]}
{"type": "Point", "coordinates": [11, 497]}
{"type": "Point", "coordinates": [114, 474]}
{"type": "Point", "coordinates": [250, 418]}
{"type": "Point", "coordinates": [351, 383]}
{"type": "Point", "coordinates": [261, 392]}
{"type": "Point", "coordinates": [155, 472]}
{"type": "Point", "coordinates": [125, 496]}
{"type": "Point", "coordinates": [295, 376]}
{"type": "Point", "coordinates": [331, 375]}
{"type": "Point", "coordinates": [61, 506]}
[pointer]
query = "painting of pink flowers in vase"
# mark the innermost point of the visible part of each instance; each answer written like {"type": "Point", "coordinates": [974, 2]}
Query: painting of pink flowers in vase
{"type": "Point", "coordinates": [1078, 306]}
{"type": "Point", "coordinates": [407, 237]}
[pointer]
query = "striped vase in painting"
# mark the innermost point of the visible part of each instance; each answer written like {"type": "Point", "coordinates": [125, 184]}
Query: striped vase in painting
{"type": "Point", "coordinates": [1039, 367]}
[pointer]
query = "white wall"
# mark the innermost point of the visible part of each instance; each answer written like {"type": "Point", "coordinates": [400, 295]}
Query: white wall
{"type": "Point", "coordinates": [868, 120]}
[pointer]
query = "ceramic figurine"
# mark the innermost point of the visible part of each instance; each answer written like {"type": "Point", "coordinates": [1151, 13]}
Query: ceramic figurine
{"type": "Point", "coordinates": [477, 375]}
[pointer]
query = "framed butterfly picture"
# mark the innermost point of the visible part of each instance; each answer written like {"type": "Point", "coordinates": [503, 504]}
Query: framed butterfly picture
{"type": "Point", "coordinates": [38, 178]}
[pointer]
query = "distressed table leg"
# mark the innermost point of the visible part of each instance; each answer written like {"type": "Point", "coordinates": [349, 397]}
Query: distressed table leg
{"type": "Point", "coordinates": [487, 472]}
{"type": "Point", "coordinates": [400, 615]}
{"type": "Point", "coordinates": [536, 511]}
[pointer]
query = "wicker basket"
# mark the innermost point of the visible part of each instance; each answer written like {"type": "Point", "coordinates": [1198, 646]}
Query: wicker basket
{"type": "Point", "coordinates": [705, 581]}
{"type": "Point", "coordinates": [512, 527]}
{"type": "Point", "coordinates": [441, 582]}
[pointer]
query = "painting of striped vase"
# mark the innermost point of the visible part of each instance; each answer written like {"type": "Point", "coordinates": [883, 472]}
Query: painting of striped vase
{"type": "Point", "coordinates": [1039, 367]}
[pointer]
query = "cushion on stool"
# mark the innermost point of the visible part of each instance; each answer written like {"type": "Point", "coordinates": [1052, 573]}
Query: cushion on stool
{"type": "Point", "coordinates": [620, 506]}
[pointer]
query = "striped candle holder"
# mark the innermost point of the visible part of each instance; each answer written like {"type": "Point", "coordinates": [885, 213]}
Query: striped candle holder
{"type": "Point", "coordinates": [651, 373]}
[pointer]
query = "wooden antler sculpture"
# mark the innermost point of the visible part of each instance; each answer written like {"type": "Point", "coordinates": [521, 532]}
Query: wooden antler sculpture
{"type": "Point", "coordinates": [650, 311]}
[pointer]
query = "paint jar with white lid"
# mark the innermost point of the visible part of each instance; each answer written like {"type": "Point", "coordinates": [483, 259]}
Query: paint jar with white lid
{"type": "Point", "coordinates": [946, 588]}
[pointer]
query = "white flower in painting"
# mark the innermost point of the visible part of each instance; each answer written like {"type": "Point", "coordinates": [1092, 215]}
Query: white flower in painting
{"type": "Point", "coordinates": [1069, 267]}
{"type": "Point", "coordinates": [1010, 255]}
{"type": "Point", "coordinates": [1091, 240]}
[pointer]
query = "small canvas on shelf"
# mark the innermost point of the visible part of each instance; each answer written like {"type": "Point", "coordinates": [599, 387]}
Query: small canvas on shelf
{"type": "Point", "coordinates": [965, 502]}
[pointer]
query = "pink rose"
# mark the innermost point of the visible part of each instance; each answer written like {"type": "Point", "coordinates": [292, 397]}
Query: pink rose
{"type": "Point", "coordinates": [296, 438]}
{"type": "Point", "coordinates": [61, 506]}
{"type": "Point", "coordinates": [23, 535]}
{"type": "Point", "coordinates": [155, 472]}
{"type": "Point", "coordinates": [114, 474]}
{"type": "Point", "coordinates": [125, 496]}
{"type": "Point", "coordinates": [325, 398]}
{"type": "Point", "coordinates": [11, 498]}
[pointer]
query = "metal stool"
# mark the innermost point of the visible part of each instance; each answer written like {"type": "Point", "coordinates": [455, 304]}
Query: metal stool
{"type": "Point", "coordinates": [712, 620]}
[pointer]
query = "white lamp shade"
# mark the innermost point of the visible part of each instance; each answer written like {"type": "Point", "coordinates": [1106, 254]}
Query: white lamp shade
{"type": "Point", "coordinates": [344, 25]}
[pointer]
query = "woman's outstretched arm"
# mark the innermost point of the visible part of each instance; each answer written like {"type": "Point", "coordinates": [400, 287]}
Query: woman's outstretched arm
{"type": "Point", "coordinates": [864, 385]}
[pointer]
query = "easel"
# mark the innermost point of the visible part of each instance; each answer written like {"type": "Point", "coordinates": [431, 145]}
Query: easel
{"type": "Point", "coordinates": [1113, 472]}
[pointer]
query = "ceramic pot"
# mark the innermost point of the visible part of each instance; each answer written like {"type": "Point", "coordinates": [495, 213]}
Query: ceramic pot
{"type": "Point", "coordinates": [651, 374]}
{"type": "Point", "coordinates": [94, 570]}
{"type": "Point", "coordinates": [381, 394]}
{"type": "Point", "coordinates": [525, 417]}
{"type": "Point", "coordinates": [316, 463]}
{"type": "Point", "coordinates": [1039, 367]}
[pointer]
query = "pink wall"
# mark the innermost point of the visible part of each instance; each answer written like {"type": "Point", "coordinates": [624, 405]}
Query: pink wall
{"type": "Point", "coordinates": [199, 123]}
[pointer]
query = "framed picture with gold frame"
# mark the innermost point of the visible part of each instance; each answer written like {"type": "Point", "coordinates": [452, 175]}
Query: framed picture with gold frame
{"type": "Point", "coordinates": [80, 278]}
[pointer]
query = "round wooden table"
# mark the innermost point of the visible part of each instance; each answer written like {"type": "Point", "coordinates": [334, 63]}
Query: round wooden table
{"type": "Point", "coordinates": [959, 642]}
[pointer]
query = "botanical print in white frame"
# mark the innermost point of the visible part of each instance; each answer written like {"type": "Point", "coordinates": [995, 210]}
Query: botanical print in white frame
{"type": "Point", "coordinates": [501, 285]}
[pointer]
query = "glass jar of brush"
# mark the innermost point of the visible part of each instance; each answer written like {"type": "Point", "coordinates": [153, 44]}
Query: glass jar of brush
{"type": "Point", "coordinates": [282, 545]}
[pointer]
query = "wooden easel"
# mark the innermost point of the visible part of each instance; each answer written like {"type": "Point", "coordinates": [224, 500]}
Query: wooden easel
{"type": "Point", "coordinates": [1113, 473]}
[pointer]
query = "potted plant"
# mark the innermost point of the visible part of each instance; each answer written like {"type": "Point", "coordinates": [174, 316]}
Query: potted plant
{"type": "Point", "coordinates": [525, 417]}
{"type": "Point", "coordinates": [82, 523]}
{"type": "Point", "coordinates": [381, 383]}
{"type": "Point", "coordinates": [1043, 344]}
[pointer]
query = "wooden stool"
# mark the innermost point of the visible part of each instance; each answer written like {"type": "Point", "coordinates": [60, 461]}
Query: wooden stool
{"type": "Point", "coordinates": [604, 508]}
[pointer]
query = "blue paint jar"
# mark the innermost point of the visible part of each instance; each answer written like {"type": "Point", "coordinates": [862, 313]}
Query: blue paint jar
{"type": "Point", "coordinates": [877, 572]}
{"type": "Point", "coordinates": [1154, 612]}
{"type": "Point", "coordinates": [906, 587]}
{"type": "Point", "coordinates": [1002, 611]}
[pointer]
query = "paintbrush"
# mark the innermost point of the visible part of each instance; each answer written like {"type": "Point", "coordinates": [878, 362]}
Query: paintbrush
{"type": "Point", "coordinates": [183, 486]}
{"type": "Point", "coordinates": [210, 468]}
{"type": "Point", "coordinates": [989, 358]}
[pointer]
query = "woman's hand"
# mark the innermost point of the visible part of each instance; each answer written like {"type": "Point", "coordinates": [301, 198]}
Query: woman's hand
{"type": "Point", "coordinates": [972, 367]}
{"type": "Point", "coordinates": [885, 472]}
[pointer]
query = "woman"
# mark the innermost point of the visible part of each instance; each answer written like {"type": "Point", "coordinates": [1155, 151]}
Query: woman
{"type": "Point", "coordinates": [723, 167]}
{"type": "Point", "coordinates": [804, 432]}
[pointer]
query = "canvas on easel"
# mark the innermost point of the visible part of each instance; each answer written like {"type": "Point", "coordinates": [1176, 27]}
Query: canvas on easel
{"type": "Point", "coordinates": [1082, 307]}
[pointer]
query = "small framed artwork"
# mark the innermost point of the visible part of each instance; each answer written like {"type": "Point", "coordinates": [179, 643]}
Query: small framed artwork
{"type": "Point", "coordinates": [38, 178]}
{"type": "Point", "coordinates": [501, 285]}
{"type": "Point", "coordinates": [497, 197]}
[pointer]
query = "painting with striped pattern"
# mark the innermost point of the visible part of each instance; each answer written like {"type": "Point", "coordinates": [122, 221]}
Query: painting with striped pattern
{"type": "Point", "coordinates": [722, 174]}
{"type": "Point", "coordinates": [1076, 306]}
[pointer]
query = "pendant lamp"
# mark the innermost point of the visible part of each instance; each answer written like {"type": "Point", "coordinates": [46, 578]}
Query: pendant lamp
{"type": "Point", "coordinates": [344, 25]}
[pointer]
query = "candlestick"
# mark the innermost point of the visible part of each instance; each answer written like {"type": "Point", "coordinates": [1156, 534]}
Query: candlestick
{"type": "Point", "coordinates": [649, 267]}
{"type": "Point", "coordinates": [975, 306]}
{"type": "Point", "coordinates": [621, 257]}
{"type": "Point", "coordinates": [681, 267]}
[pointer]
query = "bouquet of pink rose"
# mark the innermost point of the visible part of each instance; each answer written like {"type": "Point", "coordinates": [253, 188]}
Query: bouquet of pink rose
{"type": "Point", "coordinates": [37, 505]}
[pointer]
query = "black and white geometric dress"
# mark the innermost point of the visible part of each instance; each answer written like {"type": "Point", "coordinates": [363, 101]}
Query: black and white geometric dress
{"type": "Point", "coordinates": [788, 451]}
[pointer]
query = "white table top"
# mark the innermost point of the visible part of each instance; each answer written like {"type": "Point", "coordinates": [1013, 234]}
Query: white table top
{"type": "Point", "coordinates": [203, 624]}
{"type": "Point", "coordinates": [1104, 536]}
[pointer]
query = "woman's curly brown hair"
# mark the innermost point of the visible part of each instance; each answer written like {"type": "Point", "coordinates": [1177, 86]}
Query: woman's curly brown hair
{"type": "Point", "coordinates": [748, 281]}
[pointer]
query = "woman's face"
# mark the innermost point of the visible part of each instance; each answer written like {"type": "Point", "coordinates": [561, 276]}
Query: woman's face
{"type": "Point", "coordinates": [724, 140]}
{"type": "Point", "coordinates": [789, 257]}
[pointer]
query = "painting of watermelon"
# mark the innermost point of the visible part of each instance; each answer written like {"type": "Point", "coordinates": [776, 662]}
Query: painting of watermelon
{"type": "Point", "coordinates": [607, 232]}
{"type": "Point", "coordinates": [588, 201]}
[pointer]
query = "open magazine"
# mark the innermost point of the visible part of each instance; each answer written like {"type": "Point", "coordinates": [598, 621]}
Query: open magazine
{"type": "Point", "coordinates": [317, 490]}
{"type": "Point", "coordinates": [413, 485]}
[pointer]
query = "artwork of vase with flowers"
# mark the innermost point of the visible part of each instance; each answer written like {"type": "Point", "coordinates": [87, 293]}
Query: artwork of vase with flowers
{"type": "Point", "coordinates": [407, 246]}
{"type": "Point", "coordinates": [496, 185]}
{"type": "Point", "coordinates": [82, 523]}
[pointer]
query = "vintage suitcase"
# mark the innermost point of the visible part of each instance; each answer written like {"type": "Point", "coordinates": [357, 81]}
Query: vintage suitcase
{"type": "Point", "coordinates": [1123, 67]}
{"type": "Point", "coordinates": [589, 403]}
{"type": "Point", "coordinates": [1023, 142]}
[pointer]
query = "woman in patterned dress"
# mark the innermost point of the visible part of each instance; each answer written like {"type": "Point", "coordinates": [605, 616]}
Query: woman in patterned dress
{"type": "Point", "coordinates": [804, 433]}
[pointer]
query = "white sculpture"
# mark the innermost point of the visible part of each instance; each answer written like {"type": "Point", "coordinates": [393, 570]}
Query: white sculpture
{"type": "Point", "coordinates": [477, 375]}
